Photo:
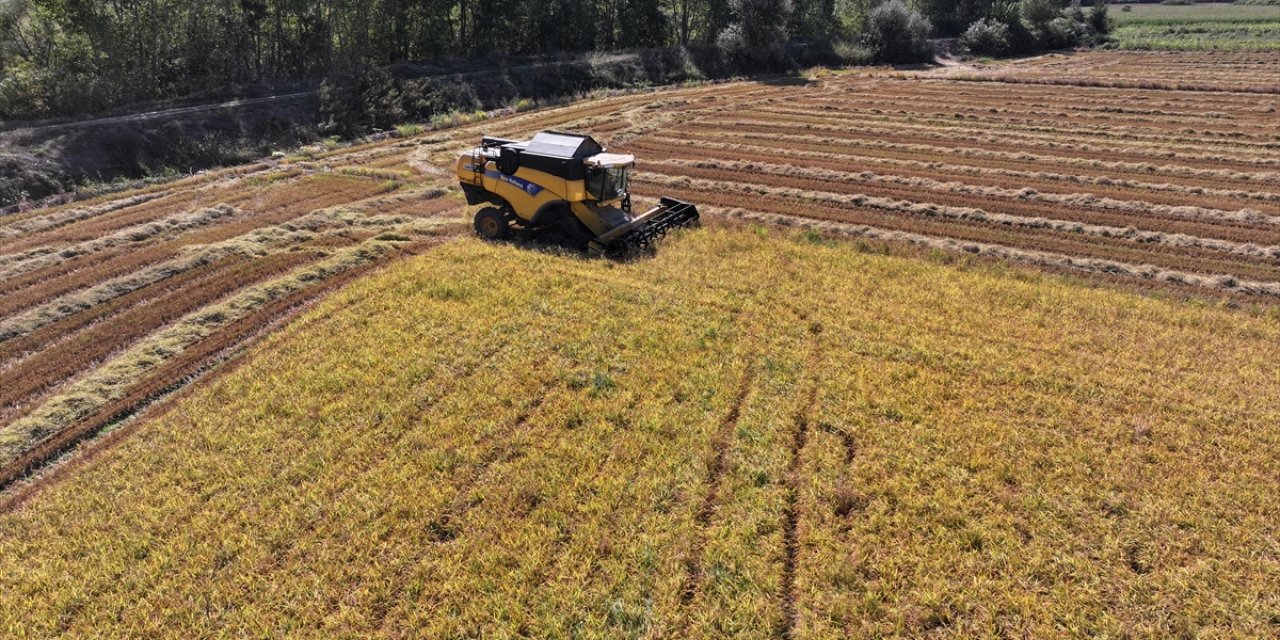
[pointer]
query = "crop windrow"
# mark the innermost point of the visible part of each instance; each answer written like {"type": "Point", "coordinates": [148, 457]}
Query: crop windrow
{"type": "Point", "coordinates": [977, 215]}
{"type": "Point", "coordinates": [1179, 191]}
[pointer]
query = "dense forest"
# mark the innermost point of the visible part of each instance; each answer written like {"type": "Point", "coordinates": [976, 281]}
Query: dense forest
{"type": "Point", "coordinates": [70, 57]}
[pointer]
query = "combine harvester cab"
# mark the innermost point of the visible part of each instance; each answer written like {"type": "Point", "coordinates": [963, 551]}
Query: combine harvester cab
{"type": "Point", "coordinates": [565, 185]}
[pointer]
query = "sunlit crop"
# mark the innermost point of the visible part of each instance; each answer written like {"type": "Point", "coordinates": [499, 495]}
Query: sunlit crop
{"type": "Point", "coordinates": [752, 434]}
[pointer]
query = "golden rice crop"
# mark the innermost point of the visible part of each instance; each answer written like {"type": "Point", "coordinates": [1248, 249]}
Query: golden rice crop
{"type": "Point", "coordinates": [753, 434]}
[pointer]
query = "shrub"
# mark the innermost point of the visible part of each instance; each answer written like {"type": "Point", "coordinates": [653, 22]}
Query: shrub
{"type": "Point", "coordinates": [895, 34]}
{"type": "Point", "coordinates": [1063, 32]}
{"type": "Point", "coordinates": [1009, 13]}
{"type": "Point", "coordinates": [986, 37]}
{"type": "Point", "coordinates": [759, 31]}
{"type": "Point", "coordinates": [431, 97]}
{"type": "Point", "coordinates": [1039, 13]}
{"type": "Point", "coordinates": [408, 130]}
{"type": "Point", "coordinates": [1126, 9]}
{"type": "Point", "coordinates": [1098, 18]}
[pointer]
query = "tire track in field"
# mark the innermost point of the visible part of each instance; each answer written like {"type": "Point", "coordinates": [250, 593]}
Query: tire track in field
{"type": "Point", "coordinates": [281, 556]}
{"type": "Point", "coordinates": [720, 442]}
{"type": "Point", "coordinates": [846, 440]}
{"type": "Point", "coordinates": [416, 409]}
{"type": "Point", "coordinates": [791, 513]}
{"type": "Point", "coordinates": [444, 528]}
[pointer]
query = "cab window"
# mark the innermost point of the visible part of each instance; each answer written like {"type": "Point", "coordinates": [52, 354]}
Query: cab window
{"type": "Point", "coordinates": [607, 184]}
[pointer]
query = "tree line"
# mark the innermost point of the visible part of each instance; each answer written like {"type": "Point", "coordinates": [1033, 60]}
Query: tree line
{"type": "Point", "coordinates": [67, 57]}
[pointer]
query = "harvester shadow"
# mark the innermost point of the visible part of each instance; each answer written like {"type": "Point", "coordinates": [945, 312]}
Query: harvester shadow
{"type": "Point", "coordinates": [568, 249]}
{"type": "Point", "coordinates": [788, 80]}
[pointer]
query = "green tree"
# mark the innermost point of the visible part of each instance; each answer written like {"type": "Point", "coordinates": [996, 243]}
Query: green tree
{"type": "Point", "coordinates": [896, 33]}
{"type": "Point", "coordinates": [759, 29]}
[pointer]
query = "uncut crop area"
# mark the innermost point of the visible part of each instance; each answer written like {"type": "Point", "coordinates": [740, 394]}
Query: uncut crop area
{"type": "Point", "coordinates": [477, 487]}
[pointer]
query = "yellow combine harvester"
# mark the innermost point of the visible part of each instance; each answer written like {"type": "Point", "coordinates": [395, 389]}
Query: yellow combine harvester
{"type": "Point", "coordinates": [563, 185]}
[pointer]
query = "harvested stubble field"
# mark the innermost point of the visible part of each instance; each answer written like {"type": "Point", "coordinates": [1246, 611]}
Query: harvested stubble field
{"type": "Point", "coordinates": [787, 437]}
{"type": "Point", "coordinates": [754, 434]}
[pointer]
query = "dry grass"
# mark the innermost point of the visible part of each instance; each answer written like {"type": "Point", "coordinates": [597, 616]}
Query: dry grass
{"type": "Point", "coordinates": [42, 221]}
{"type": "Point", "coordinates": [19, 263]}
{"type": "Point", "coordinates": [751, 434]}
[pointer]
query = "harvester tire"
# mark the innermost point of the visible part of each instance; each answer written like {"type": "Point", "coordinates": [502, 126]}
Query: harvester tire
{"type": "Point", "coordinates": [491, 224]}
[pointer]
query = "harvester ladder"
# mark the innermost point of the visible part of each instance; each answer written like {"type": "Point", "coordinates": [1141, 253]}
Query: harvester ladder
{"type": "Point", "coordinates": [478, 161]}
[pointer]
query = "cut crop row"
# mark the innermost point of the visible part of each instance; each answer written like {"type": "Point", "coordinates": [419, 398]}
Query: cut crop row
{"type": "Point", "coordinates": [1068, 245]}
{"type": "Point", "coordinates": [902, 98]}
{"type": "Point", "coordinates": [19, 263]}
{"type": "Point", "coordinates": [1237, 118]}
{"type": "Point", "coordinates": [1038, 131]}
{"type": "Point", "coordinates": [1265, 202]}
{"type": "Point", "coordinates": [173, 374]}
{"type": "Point", "coordinates": [1176, 174]}
{"type": "Point", "coordinates": [840, 134]}
{"type": "Point", "coordinates": [1075, 213]}
{"type": "Point", "coordinates": [23, 382]}
{"type": "Point", "coordinates": [111, 380]}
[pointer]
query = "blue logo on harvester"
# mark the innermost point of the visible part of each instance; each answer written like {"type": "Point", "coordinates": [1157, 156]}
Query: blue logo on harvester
{"type": "Point", "coordinates": [526, 186]}
{"type": "Point", "coordinates": [529, 187]}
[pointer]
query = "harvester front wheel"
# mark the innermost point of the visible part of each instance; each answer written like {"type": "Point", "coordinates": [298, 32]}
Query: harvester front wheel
{"type": "Point", "coordinates": [491, 224]}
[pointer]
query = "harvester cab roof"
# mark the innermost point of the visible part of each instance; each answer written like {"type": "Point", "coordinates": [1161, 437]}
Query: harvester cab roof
{"type": "Point", "coordinates": [565, 183]}
{"type": "Point", "coordinates": [563, 155]}
{"type": "Point", "coordinates": [609, 160]}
